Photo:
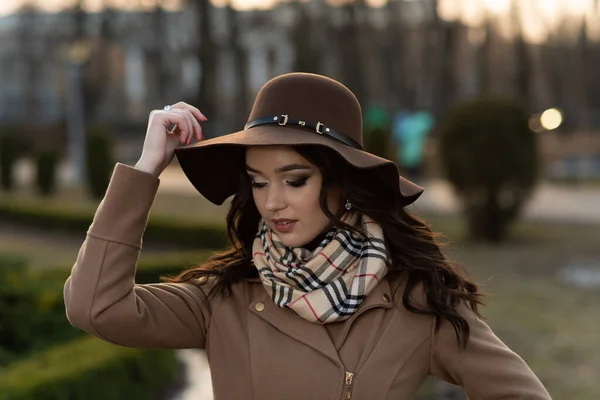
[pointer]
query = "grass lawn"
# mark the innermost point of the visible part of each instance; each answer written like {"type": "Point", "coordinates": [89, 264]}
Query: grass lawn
{"type": "Point", "coordinates": [551, 324]}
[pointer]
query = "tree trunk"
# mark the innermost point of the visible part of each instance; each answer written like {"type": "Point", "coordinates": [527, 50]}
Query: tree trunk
{"type": "Point", "coordinates": [352, 67]}
{"type": "Point", "coordinates": [240, 62]}
{"type": "Point", "coordinates": [207, 96]}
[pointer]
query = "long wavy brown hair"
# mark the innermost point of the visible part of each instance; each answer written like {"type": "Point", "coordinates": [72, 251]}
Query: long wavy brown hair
{"type": "Point", "coordinates": [414, 249]}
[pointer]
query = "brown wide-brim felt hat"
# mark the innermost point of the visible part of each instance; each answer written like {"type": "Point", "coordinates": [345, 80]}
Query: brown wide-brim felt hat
{"type": "Point", "coordinates": [291, 109]}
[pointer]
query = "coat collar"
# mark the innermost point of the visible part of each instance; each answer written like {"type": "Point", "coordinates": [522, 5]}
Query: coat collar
{"type": "Point", "coordinates": [312, 334]}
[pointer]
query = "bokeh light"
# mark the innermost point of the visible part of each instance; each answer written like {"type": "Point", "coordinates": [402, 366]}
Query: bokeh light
{"type": "Point", "coordinates": [551, 119]}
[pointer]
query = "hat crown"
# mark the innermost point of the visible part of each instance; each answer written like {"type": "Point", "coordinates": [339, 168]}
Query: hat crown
{"type": "Point", "coordinates": [311, 98]}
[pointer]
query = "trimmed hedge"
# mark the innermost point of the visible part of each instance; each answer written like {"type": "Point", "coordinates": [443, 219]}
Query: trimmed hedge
{"type": "Point", "coordinates": [10, 150]}
{"type": "Point", "coordinates": [90, 369]}
{"type": "Point", "coordinates": [161, 229]}
{"type": "Point", "coordinates": [46, 165]}
{"type": "Point", "coordinates": [99, 166]}
{"type": "Point", "coordinates": [148, 271]}
{"type": "Point", "coordinates": [81, 366]}
{"type": "Point", "coordinates": [29, 306]}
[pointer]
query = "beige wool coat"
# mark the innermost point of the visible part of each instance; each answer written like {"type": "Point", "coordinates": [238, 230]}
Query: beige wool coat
{"type": "Point", "coordinates": [257, 350]}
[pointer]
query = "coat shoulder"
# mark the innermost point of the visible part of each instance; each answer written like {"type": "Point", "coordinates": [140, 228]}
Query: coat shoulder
{"type": "Point", "coordinates": [416, 295]}
{"type": "Point", "coordinates": [416, 298]}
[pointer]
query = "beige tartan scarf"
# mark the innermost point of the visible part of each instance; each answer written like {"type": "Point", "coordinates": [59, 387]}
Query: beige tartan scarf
{"type": "Point", "coordinates": [327, 284]}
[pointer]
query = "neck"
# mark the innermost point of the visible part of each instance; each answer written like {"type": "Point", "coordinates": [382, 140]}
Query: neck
{"type": "Point", "coordinates": [313, 244]}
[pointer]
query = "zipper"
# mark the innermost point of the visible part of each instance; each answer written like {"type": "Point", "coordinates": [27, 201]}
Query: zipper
{"type": "Point", "coordinates": [349, 377]}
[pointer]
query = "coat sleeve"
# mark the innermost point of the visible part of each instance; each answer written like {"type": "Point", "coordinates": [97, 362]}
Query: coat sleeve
{"type": "Point", "coordinates": [101, 296]}
{"type": "Point", "coordinates": [486, 368]}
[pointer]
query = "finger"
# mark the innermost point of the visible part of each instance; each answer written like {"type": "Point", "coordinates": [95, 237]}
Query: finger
{"type": "Point", "coordinates": [195, 112]}
{"type": "Point", "coordinates": [187, 138]}
{"type": "Point", "coordinates": [169, 118]}
{"type": "Point", "coordinates": [196, 124]}
{"type": "Point", "coordinates": [200, 132]}
{"type": "Point", "coordinates": [196, 116]}
{"type": "Point", "coordinates": [193, 128]}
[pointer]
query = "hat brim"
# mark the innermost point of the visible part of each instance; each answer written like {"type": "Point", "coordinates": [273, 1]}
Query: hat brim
{"type": "Point", "coordinates": [211, 165]}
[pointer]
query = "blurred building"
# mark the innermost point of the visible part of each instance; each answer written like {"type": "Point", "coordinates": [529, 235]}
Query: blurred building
{"type": "Point", "coordinates": [141, 61]}
{"type": "Point", "coordinates": [399, 56]}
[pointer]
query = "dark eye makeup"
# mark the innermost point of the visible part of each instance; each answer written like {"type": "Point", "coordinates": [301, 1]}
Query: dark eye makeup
{"type": "Point", "coordinates": [297, 183]}
{"type": "Point", "coordinates": [258, 184]}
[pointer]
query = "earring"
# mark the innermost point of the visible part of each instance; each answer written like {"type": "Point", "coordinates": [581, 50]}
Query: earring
{"type": "Point", "coordinates": [348, 205]}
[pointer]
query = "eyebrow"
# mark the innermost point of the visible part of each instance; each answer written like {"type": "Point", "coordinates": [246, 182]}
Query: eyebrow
{"type": "Point", "coordinates": [285, 168]}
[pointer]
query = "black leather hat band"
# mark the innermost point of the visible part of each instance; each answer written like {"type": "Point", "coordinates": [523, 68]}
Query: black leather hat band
{"type": "Point", "coordinates": [318, 128]}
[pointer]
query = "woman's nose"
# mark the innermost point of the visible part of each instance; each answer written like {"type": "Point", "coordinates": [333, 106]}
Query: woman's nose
{"type": "Point", "coordinates": [275, 199]}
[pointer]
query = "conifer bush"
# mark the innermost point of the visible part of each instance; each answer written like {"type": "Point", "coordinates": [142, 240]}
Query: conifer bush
{"type": "Point", "coordinates": [490, 156]}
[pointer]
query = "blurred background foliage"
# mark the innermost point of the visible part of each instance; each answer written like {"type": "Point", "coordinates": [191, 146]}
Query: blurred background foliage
{"type": "Point", "coordinates": [492, 106]}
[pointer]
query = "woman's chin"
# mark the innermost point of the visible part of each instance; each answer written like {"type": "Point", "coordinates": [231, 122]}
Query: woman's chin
{"type": "Point", "coordinates": [292, 240]}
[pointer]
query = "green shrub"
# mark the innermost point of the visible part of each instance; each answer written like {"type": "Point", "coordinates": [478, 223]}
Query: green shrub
{"type": "Point", "coordinates": [147, 271]}
{"type": "Point", "coordinates": [31, 301]}
{"type": "Point", "coordinates": [160, 229]}
{"type": "Point", "coordinates": [99, 160]}
{"type": "Point", "coordinates": [490, 157]}
{"type": "Point", "coordinates": [9, 154]}
{"type": "Point", "coordinates": [46, 166]}
{"type": "Point", "coordinates": [77, 368]}
{"type": "Point", "coordinates": [90, 369]}
{"type": "Point", "coordinates": [29, 306]}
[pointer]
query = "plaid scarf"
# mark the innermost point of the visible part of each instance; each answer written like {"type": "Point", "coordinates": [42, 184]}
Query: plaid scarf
{"type": "Point", "coordinates": [327, 284]}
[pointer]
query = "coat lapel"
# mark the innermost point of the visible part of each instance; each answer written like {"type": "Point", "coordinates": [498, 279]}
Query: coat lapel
{"type": "Point", "coordinates": [312, 334]}
{"type": "Point", "coordinates": [379, 297]}
{"type": "Point", "coordinates": [285, 320]}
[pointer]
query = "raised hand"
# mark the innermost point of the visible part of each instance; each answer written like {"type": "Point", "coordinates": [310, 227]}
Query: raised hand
{"type": "Point", "coordinates": [160, 142]}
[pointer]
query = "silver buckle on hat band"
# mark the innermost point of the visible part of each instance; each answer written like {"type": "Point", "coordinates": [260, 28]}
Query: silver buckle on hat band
{"type": "Point", "coordinates": [318, 128]}
{"type": "Point", "coordinates": [283, 120]}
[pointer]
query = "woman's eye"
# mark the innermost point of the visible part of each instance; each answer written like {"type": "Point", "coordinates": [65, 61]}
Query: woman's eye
{"type": "Point", "coordinates": [258, 185]}
{"type": "Point", "coordinates": [298, 183]}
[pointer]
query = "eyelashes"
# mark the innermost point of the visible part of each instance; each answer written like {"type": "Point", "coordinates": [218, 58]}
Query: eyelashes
{"type": "Point", "coordinates": [295, 184]}
{"type": "Point", "coordinates": [298, 183]}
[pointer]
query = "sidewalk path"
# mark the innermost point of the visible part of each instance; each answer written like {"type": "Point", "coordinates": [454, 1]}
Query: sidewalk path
{"type": "Point", "coordinates": [198, 384]}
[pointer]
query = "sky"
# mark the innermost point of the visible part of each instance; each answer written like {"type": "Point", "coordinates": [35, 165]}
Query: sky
{"type": "Point", "coordinates": [539, 16]}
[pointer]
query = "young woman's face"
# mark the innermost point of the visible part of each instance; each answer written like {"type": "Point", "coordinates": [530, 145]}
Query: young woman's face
{"type": "Point", "coordinates": [286, 189]}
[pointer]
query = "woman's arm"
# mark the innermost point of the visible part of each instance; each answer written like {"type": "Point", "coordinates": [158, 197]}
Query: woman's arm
{"type": "Point", "coordinates": [487, 368]}
{"type": "Point", "coordinates": [101, 297]}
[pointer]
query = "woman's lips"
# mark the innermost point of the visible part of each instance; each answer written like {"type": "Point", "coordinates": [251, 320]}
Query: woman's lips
{"type": "Point", "coordinates": [283, 225]}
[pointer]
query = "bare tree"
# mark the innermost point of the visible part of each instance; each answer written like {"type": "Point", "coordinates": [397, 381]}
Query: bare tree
{"type": "Point", "coordinates": [523, 86]}
{"type": "Point", "coordinates": [240, 62]}
{"type": "Point", "coordinates": [26, 37]}
{"type": "Point", "coordinates": [208, 58]}
{"type": "Point", "coordinates": [589, 58]}
{"type": "Point", "coordinates": [350, 49]}
{"type": "Point", "coordinates": [392, 51]}
{"type": "Point", "coordinates": [158, 56]}
{"type": "Point", "coordinates": [449, 44]}
{"type": "Point", "coordinates": [308, 53]}
{"type": "Point", "coordinates": [98, 69]}
{"type": "Point", "coordinates": [485, 58]}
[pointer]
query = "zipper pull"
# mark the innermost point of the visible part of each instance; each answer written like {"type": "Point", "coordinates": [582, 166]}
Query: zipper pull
{"type": "Point", "coordinates": [348, 387]}
{"type": "Point", "coordinates": [349, 377]}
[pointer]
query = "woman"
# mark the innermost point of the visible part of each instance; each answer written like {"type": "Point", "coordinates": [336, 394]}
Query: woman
{"type": "Point", "coordinates": [331, 289]}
